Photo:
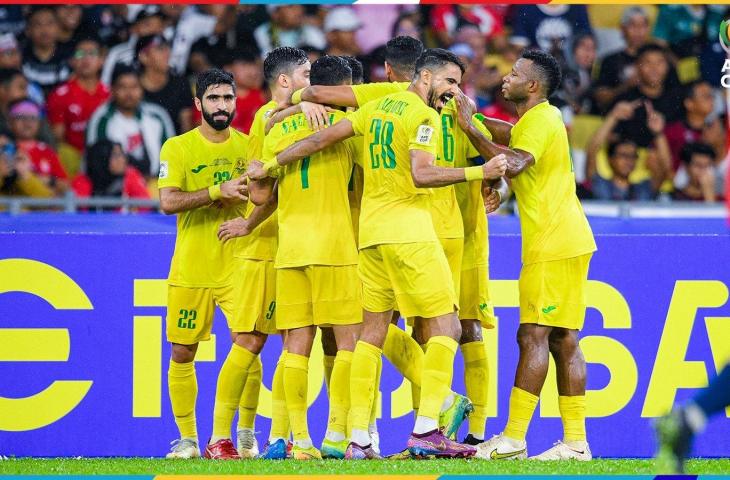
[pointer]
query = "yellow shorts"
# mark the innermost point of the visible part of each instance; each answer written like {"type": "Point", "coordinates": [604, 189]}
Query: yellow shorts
{"type": "Point", "coordinates": [322, 295]}
{"type": "Point", "coordinates": [454, 250]}
{"type": "Point", "coordinates": [255, 286]}
{"type": "Point", "coordinates": [190, 312]}
{"type": "Point", "coordinates": [553, 293]}
{"type": "Point", "coordinates": [413, 277]}
{"type": "Point", "coordinates": [474, 300]}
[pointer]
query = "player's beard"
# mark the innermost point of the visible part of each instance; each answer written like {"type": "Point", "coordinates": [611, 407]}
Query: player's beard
{"type": "Point", "coordinates": [219, 124]}
{"type": "Point", "coordinates": [433, 99]}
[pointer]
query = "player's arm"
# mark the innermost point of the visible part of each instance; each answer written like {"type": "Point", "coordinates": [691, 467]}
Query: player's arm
{"type": "Point", "coordinates": [317, 115]}
{"type": "Point", "coordinates": [517, 160]}
{"type": "Point", "coordinates": [174, 200]}
{"type": "Point", "coordinates": [260, 191]}
{"type": "Point", "coordinates": [501, 131]}
{"type": "Point", "coordinates": [240, 227]}
{"type": "Point", "coordinates": [304, 148]}
{"type": "Point", "coordinates": [425, 174]}
{"type": "Point", "coordinates": [340, 95]}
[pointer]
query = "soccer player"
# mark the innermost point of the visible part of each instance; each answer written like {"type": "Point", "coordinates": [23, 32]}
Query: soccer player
{"type": "Point", "coordinates": [286, 69]}
{"type": "Point", "coordinates": [401, 261]}
{"type": "Point", "coordinates": [677, 430]}
{"type": "Point", "coordinates": [316, 265]}
{"type": "Point", "coordinates": [196, 183]}
{"type": "Point", "coordinates": [557, 245]}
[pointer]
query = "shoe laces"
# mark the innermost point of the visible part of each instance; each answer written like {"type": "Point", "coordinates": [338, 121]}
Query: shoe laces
{"type": "Point", "coordinates": [246, 438]}
{"type": "Point", "coordinates": [180, 444]}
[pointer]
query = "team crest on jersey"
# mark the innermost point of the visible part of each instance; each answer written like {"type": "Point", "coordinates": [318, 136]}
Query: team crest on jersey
{"type": "Point", "coordinates": [163, 169]}
{"type": "Point", "coordinates": [240, 165]}
{"type": "Point", "coordinates": [424, 135]}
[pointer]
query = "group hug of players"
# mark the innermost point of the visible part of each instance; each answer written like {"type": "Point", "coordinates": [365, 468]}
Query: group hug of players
{"type": "Point", "coordinates": [351, 205]}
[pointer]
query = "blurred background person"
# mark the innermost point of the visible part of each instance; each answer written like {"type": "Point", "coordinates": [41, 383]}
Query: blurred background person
{"type": "Point", "coordinates": [108, 174]}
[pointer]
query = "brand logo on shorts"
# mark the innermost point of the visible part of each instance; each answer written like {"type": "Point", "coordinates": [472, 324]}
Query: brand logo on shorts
{"type": "Point", "coordinates": [549, 309]}
{"type": "Point", "coordinates": [198, 168]}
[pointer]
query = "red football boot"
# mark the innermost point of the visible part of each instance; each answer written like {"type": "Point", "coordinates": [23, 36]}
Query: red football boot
{"type": "Point", "coordinates": [222, 450]}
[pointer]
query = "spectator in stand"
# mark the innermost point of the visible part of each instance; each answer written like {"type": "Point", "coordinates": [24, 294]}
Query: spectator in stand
{"type": "Point", "coordinates": [287, 29]}
{"type": "Point", "coordinates": [247, 70]}
{"type": "Point", "coordinates": [211, 50]}
{"type": "Point", "coordinates": [170, 91]}
{"type": "Point", "coordinates": [147, 21]}
{"type": "Point", "coordinates": [697, 124]}
{"type": "Point", "coordinates": [71, 104]}
{"type": "Point", "coordinates": [140, 127]}
{"type": "Point", "coordinates": [447, 20]}
{"type": "Point", "coordinates": [11, 19]}
{"type": "Point", "coordinates": [406, 25]}
{"type": "Point", "coordinates": [657, 162]}
{"type": "Point", "coordinates": [108, 174]}
{"type": "Point", "coordinates": [196, 23]}
{"type": "Point", "coordinates": [14, 86]}
{"type": "Point", "coordinates": [340, 26]}
{"type": "Point", "coordinates": [10, 57]}
{"type": "Point", "coordinates": [45, 62]}
{"type": "Point", "coordinates": [548, 27]}
{"type": "Point", "coordinates": [699, 161]}
{"type": "Point", "coordinates": [577, 73]}
{"type": "Point", "coordinates": [69, 22]}
{"type": "Point", "coordinates": [25, 123]}
{"type": "Point", "coordinates": [622, 157]}
{"type": "Point", "coordinates": [16, 171]}
{"type": "Point", "coordinates": [652, 69]}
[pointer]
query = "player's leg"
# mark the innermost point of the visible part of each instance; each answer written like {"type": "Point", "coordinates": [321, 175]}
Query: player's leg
{"type": "Point", "coordinates": [476, 377]}
{"type": "Point", "coordinates": [677, 430]}
{"type": "Point", "coordinates": [329, 348]}
{"type": "Point", "coordinates": [246, 444]}
{"type": "Point", "coordinates": [296, 379]}
{"type": "Point", "coordinates": [276, 446]}
{"type": "Point", "coordinates": [188, 321]}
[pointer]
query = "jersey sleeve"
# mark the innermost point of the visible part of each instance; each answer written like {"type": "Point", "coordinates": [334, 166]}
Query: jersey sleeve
{"type": "Point", "coordinates": [421, 131]}
{"type": "Point", "coordinates": [358, 119]}
{"type": "Point", "coordinates": [367, 92]}
{"type": "Point", "coordinates": [172, 165]}
{"type": "Point", "coordinates": [532, 137]}
{"type": "Point", "coordinates": [471, 151]}
{"type": "Point", "coordinates": [273, 145]}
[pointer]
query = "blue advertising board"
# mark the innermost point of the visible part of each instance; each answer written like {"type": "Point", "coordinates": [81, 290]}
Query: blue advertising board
{"type": "Point", "coordinates": [83, 358]}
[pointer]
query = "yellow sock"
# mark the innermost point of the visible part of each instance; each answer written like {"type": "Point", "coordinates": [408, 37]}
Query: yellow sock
{"type": "Point", "coordinates": [438, 370]}
{"type": "Point", "coordinates": [279, 413]}
{"type": "Point", "coordinates": [250, 396]}
{"type": "Point", "coordinates": [183, 388]}
{"type": "Point", "coordinates": [406, 355]}
{"type": "Point", "coordinates": [376, 396]}
{"type": "Point", "coordinates": [340, 393]}
{"type": "Point", "coordinates": [231, 380]}
{"type": "Point", "coordinates": [363, 375]}
{"type": "Point", "coordinates": [329, 364]}
{"type": "Point", "coordinates": [296, 376]}
{"type": "Point", "coordinates": [573, 414]}
{"type": "Point", "coordinates": [476, 380]}
{"type": "Point", "coordinates": [521, 407]}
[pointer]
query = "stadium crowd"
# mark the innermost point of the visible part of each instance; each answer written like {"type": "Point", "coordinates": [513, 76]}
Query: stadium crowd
{"type": "Point", "coordinates": [88, 94]}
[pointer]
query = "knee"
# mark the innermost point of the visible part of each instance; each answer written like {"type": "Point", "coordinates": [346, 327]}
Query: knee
{"type": "Point", "coordinates": [183, 353]}
{"type": "Point", "coordinates": [329, 343]}
{"type": "Point", "coordinates": [456, 331]}
{"type": "Point", "coordinates": [530, 338]}
{"type": "Point", "coordinates": [252, 341]}
{"type": "Point", "coordinates": [563, 342]}
{"type": "Point", "coordinates": [471, 331]}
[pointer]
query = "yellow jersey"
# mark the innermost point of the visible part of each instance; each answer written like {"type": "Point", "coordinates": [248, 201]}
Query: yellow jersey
{"type": "Point", "coordinates": [190, 162]}
{"type": "Point", "coordinates": [367, 92]}
{"type": "Point", "coordinates": [261, 243]}
{"type": "Point", "coordinates": [554, 226]}
{"type": "Point", "coordinates": [444, 206]}
{"type": "Point", "coordinates": [393, 209]}
{"type": "Point", "coordinates": [315, 226]}
{"type": "Point", "coordinates": [470, 200]}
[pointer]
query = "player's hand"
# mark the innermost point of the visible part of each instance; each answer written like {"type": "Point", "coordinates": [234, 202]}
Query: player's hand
{"type": "Point", "coordinates": [654, 120]}
{"type": "Point", "coordinates": [238, 227]}
{"type": "Point", "coordinates": [495, 167]}
{"type": "Point", "coordinates": [492, 199]}
{"type": "Point", "coordinates": [235, 189]}
{"type": "Point", "coordinates": [317, 115]}
{"type": "Point", "coordinates": [624, 110]}
{"type": "Point", "coordinates": [276, 116]}
{"type": "Point", "coordinates": [256, 170]}
{"type": "Point", "coordinates": [465, 107]}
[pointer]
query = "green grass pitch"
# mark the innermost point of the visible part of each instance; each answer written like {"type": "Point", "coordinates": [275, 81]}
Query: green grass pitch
{"type": "Point", "coordinates": [149, 466]}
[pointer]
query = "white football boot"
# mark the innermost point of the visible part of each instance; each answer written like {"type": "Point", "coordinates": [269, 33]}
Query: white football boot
{"type": "Point", "coordinates": [566, 451]}
{"type": "Point", "coordinates": [184, 448]}
{"type": "Point", "coordinates": [246, 443]}
{"type": "Point", "coordinates": [500, 447]}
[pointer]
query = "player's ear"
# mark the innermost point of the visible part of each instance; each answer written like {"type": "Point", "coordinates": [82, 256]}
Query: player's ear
{"type": "Point", "coordinates": [198, 104]}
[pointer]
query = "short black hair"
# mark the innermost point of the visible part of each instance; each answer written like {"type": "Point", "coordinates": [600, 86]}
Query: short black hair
{"type": "Point", "coordinates": [330, 70]}
{"type": "Point", "coordinates": [549, 69]}
{"type": "Point", "coordinates": [8, 74]}
{"type": "Point", "coordinates": [616, 143]}
{"type": "Point", "coordinates": [241, 54]}
{"type": "Point", "coordinates": [39, 8]}
{"type": "Point", "coordinates": [283, 60]}
{"type": "Point", "coordinates": [696, 148]}
{"type": "Point", "coordinates": [650, 48]}
{"type": "Point", "coordinates": [402, 53]}
{"type": "Point", "coordinates": [211, 77]}
{"type": "Point", "coordinates": [356, 67]}
{"type": "Point", "coordinates": [689, 89]}
{"type": "Point", "coordinates": [122, 70]}
{"type": "Point", "coordinates": [432, 58]}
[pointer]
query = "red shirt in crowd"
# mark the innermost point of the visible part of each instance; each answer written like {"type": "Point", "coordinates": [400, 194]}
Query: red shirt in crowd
{"type": "Point", "coordinates": [494, 110]}
{"type": "Point", "coordinates": [488, 18]}
{"type": "Point", "coordinates": [678, 135]}
{"type": "Point", "coordinates": [134, 185]}
{"type": "Point", "coordinates": [72, 106]}
{"type": "Point", "coordinates": [44, 159]}
{"type": "Point", "coordinates": [246, 107]}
